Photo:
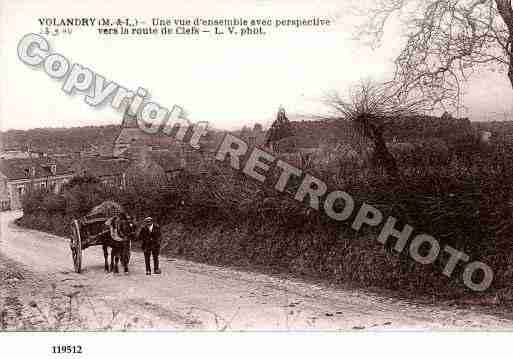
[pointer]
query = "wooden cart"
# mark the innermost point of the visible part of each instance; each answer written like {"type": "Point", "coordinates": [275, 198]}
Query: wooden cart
{"type": "Point", "coordinates": [87, 232]}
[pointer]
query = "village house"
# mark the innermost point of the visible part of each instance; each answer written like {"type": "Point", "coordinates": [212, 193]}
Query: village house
{"type": "Point", "coordinates": [157, 166]}
{"type": "Point", "coordinates": [253, 137]}
{"type": "Point", "coordinates": [20, 175]}
{"type": "Point", "coordinates": [135, 154]}
{"type": "Point", "coordinates": [10, 153]}
{"type": "Point", "coordinates": [133, 163]}
{"type": "Point", "coordinates": [131, 136]}
{"type": "Point", "coordinates": [108, 170]}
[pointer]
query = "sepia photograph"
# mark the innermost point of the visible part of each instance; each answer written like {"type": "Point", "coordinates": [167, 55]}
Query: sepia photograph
{"type": "Point", "coordinates": [255, 173]}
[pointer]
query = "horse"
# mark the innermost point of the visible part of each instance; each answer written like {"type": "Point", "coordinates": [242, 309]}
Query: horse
{"type": "Point", "coordinates": [119, 253]}
{"type": "Point", "coordinates": [100, 231]}
{"type": "Point", "coordinates": [121, 233]}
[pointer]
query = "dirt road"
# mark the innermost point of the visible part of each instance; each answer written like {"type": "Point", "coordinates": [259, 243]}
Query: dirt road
{"type": "Point", "coordinates": [39, 290]}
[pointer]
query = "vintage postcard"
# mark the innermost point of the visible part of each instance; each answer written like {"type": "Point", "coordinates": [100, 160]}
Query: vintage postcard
{"type": "Point", "coordinates": [324, 167]}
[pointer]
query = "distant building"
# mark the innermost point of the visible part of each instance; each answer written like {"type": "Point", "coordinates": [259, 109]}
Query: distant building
{"type": "Point", "coordinates": [20, 175]}
{"type": "Point", "coordinates": [109, 170]}
{"type": "Point", "coordinates": [10, 153]}
{"type": "Point", "coordinates": [131, 135]}
{"type": "Point", "coordinates": [134, 163]}
{"type": "Point", "coordinates": [154, 166]}
{"type": "Point", "coordinates": [253, 137]}
{"type": "Point", "coordinates": [95, 151]}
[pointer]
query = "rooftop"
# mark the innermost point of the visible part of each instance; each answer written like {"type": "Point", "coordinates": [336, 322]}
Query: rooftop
{"type": "Point", "coordinates": [20, 168]}
{"type": "Point", "coordinates": [102, 166]}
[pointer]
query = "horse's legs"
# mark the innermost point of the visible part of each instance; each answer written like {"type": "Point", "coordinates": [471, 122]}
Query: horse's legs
{"type": "Point", "coordinates": [106, 257]}
{"type": "Point", "coordinates": [112, 254]}
{"type": "Point", "coordinates": [125, 263]}
{"type": "Point", "coordinates": [124, 256]}
{"type": "Point", "coordinates": [116, 260]}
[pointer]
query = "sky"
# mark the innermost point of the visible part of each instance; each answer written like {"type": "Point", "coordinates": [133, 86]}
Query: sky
{"type": "Point", "coordinates": [228, 82]}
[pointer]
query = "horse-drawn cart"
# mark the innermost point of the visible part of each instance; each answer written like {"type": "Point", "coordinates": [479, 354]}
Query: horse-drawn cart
{"type": "Point", "coordinates": [94, 230]}
{"type": "Point", "coordinates": [86, 233]}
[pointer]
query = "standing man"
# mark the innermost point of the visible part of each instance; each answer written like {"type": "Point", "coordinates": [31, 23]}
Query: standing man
{"type": "Point", "coordinates": [150, 238]}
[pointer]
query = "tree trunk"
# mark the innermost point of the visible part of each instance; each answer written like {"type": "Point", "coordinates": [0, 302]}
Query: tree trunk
{"type": "Point", "coordinates": [385, 158]}
{"type": "Point", "coordinates": [506, 13]}
{"type": "Point", "coordinates": [510, 68]}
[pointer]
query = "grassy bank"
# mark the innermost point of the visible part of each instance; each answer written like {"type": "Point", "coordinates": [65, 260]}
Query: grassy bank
{"type": "Point", "coordinates": [221, 217]}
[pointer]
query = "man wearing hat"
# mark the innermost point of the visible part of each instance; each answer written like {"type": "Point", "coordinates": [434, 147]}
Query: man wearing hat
{"type": "Point", "coordinates": [150, 244]}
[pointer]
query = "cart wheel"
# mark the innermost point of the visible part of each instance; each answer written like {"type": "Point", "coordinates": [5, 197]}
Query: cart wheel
{"type": "Point", "coordinates": [76, 246]}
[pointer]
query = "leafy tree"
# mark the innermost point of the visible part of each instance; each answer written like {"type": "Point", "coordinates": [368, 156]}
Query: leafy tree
{"type": "Point", "coordinates": [280, 128]}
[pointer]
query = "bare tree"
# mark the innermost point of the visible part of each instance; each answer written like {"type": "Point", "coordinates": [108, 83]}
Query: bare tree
{"type": "Point", "coordinates": [370, 106]}
{"type": "Point", "coordinates": [446, 41]}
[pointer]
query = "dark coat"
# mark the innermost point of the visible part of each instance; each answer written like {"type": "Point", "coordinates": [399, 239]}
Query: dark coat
{"type": "Point", "coordinates": [126, 229]}
{"type": "Point", "coordinates": [150, 240]}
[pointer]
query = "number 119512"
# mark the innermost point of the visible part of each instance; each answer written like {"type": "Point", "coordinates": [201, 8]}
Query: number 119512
{"type": "Point", "coordinates": [66, 349]}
